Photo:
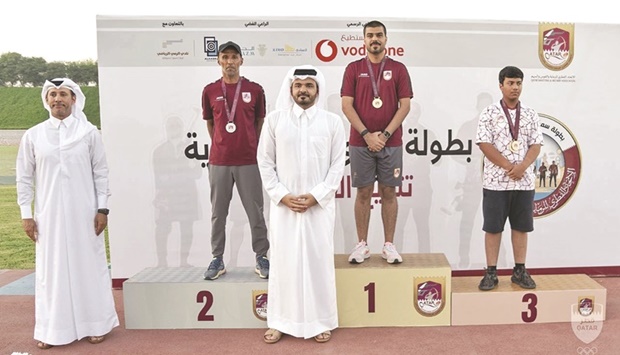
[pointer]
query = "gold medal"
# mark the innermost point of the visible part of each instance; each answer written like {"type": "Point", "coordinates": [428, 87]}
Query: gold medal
{"type": "Point", "coordinates": [514, 146]}
{"type": "Point", "coordinates": [377, 103]}
{"type": "Point", "coordinates": [231, 127]}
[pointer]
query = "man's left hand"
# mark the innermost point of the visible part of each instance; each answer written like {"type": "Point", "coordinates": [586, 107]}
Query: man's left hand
{"type": "Point", "coordinates": [516, 172]}
{"type": "Point", "coordinates": [101, 221]}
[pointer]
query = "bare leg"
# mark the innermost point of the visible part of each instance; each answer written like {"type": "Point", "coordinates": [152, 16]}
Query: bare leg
{"type": "Point", "coordinates": [492, 242]}
{"type": "Point", "coordinates": [362, 211]}
{"type": "Point", "coordinates": [389, 211]}
{"type": "Point", "coordinates": [519, 246]}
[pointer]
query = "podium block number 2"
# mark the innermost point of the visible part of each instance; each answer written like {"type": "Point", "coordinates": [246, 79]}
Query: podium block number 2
{"type": "Point", "coordinates": [370, 288]}
{"type": "Point", "coordinates": [205, 297]}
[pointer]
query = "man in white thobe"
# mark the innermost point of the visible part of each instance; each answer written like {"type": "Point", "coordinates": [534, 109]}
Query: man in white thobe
{"type": "Point", "coordinates": [301, 157]}
{"type": "Point", "coordinates": [61, 165]}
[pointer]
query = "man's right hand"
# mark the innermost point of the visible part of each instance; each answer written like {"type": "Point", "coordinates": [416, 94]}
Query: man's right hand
{"type": "Point", "coordinates": [30, 227]}
{"type": "Point", "coordinates": [375, 141]}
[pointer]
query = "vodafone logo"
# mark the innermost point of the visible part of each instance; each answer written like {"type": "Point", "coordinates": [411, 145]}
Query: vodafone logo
{"type": "Point", "coordinates": [326, 50]}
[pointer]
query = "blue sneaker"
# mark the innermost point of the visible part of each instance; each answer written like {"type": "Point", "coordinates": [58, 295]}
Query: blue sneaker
{"type": "Point", "coordinates": [262, 267]}
{"type": "Point", "coordinates": [216, 269]}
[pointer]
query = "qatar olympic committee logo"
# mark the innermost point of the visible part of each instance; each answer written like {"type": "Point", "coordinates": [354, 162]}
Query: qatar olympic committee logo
{"type": "Point", "coordinates": [557, 167]}
{"type": "Point", "coordinates": [556, 45]}
{"type": "Point", "coordinates": [326, 50]}
{"type": "Point", "coordinates": [429, 295]}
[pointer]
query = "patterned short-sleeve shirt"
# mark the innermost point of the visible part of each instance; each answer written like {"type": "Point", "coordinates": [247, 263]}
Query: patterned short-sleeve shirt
{"type": "Point", "coordinates": [493, 128]}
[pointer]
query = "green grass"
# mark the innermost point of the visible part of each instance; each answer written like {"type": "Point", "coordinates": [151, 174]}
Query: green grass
{"type": "Point", "coordinates": [17, 251]}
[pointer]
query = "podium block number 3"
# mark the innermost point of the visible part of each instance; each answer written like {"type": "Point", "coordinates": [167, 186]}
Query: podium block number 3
{"type": "Point", "coordinates": [529, 316]}
{"type": "Point", "coordinates": [205, 297]}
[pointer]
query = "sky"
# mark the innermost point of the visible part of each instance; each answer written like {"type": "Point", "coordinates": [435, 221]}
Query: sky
{"type": "Point", "coordinates": [67, 30]}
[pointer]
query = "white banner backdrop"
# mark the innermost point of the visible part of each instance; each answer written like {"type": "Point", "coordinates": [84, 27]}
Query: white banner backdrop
{"type": "Point", "coordinates": [152, 71]}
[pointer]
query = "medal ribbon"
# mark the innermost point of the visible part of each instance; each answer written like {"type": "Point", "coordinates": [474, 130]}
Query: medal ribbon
{"type": "Point", "coordinates": [375, 82]}
{"type": "Point", "coordinates": [230, 114]}
{"type": "Point", "coordinates": [514, 128]}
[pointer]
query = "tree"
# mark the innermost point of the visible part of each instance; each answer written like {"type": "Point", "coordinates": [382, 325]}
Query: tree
{"type": "Point", "coordinates": [9, 68]}
{"type": "Point", "coordinates": [32, 71]}
{"type": "Point", "coordinates": [56, 70]}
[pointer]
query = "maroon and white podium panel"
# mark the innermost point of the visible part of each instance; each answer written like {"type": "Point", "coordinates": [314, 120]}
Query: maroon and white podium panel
{"type": "Point", "coordinates": [415, 292]}
{"type": "Point", "coordinates": [557, 298]}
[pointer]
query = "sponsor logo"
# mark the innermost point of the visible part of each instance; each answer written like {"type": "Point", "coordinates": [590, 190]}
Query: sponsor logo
{"type": "Point", "coordinates": [557, 180]}
{"type": "Point", "coordinates": [173, 49]}
{"type": "Point", "coordinates": [556, 45]}
{"type": "Point", "coordinates": [259, 304]}
{"type": "Point", "coordinates": [289, 51]}
{"type": "Point", "coordinates": [326, 50]}
{"type": "Point", "coordinates": [262, 49]}
{"type": "Point", "coordinates": [587, 319]}
{"type": "Point", "coordinates": [248, 51]}
{"type": "Point", "coordinates": [210, 47]}
{"type": "Point", "coordinates": [428, 297]}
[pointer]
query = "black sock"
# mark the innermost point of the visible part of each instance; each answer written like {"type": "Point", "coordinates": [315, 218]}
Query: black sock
{"type": "Point", "coordinates": [519, 266]}
{"type": "Point", "coordinates": [492, 269]}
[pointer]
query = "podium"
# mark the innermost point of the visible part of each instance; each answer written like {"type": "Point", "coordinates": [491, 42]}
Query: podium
{"type": "Point", "coordinates": [556, 298]}
{"type": "Point", "coordinates": [417, 292]}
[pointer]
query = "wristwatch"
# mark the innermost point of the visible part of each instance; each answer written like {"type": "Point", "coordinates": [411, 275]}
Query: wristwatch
{"type": "Point", "coordinates": [387, 134]}
{"type": "Point", "coordinates": [104, 211]}
{"type": "Point", "coordinates": [364, 132]}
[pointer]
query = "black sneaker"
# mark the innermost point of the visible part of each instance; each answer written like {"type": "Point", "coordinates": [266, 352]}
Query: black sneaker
{"type": "Point", "coordinates": [521, 277]}
{"type": "Point", "coordinates": [262, 267]}
{"type": "Point", "coordinates": [489, 281]}
{"type": "Point", "coordinates": [216, 269]}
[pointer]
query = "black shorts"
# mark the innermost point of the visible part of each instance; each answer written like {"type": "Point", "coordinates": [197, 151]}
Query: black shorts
{"type": "Point", "coordinates": [516, 205]}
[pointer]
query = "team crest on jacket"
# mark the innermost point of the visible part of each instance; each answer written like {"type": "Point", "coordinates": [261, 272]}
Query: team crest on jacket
{"type": "Point", "coordinates": [387, 75]}
{"type": "Point", "coordinates": [556, 45]}
{"type": "Point", "coordinates": [259, 304]}
{"type": "Point", "coordinates": [246, 96]}
{"type": "Point", "coordinates": [396, 172]}
{"type": "Point", "coordinates": [428, 298]}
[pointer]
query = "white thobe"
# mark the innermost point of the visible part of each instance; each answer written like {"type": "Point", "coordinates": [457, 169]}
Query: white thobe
{"type": "Point", "coordinates": [302, 152]}
{"type": "Point", "coordinates": [64, 164]}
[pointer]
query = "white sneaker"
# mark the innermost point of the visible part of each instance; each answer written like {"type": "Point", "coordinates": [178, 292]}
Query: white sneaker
{"type": "Point", "coordinates": [390, 254]}
{"type": "Point", "coordinates": [360, 253]}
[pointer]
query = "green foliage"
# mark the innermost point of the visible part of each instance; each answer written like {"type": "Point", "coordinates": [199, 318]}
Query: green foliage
{"type": "Point", "coordinates": [17, 70]}
{"type": "Point", "coordinates": [22, 108]}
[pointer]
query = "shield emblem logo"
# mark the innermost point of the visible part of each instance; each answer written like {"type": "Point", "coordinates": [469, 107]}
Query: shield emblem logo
{"type": "Point", "coordinates": [428, 298]}
{"type": "Point", "coordinates": [259, 304]}
{"type": "Point", "coordinates": [246, 96]}
{"type": "Point", "coordinates": [556, 45]}
{"type": "Point", "coordinates": [587, 319]}
{"type": "Point", "coordinates": [387, 75]}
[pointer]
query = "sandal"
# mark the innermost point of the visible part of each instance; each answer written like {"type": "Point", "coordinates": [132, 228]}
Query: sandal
{"type": "Point", "coordinates": [323, 337]}
{"type": "Point", "coordinates": [272, 336]}
{"type": "Point", "coordinates": [96, 340]}
{"type": "Point", "coordinates": [44, 346]}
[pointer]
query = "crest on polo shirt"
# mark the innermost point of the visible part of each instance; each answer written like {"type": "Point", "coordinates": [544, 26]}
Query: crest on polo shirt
{"type": "Point", "coordinates": [387, 75]}
{"type": "Point", "coordinates": [246, 96]}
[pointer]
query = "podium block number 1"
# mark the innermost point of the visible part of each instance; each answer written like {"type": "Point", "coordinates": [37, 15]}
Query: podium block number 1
{"type": "Point", "coordinates": [370, 288]}
{"type": "Point", "coordinates": [205, 297]}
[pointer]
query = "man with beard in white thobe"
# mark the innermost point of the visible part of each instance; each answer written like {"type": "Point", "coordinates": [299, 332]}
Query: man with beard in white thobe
{"type": "Point", "coordinates": [301, 157]}
{"type": "Point", "coordinates": [61, 165]}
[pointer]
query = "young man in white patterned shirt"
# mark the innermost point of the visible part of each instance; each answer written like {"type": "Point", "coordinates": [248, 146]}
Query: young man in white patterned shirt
{"type": "Point", "coordinates": [510, 138]}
